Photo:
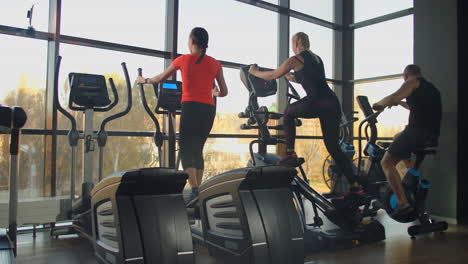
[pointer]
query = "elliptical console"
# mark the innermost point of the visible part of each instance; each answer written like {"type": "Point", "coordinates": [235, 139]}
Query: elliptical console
{"type": "Point", "coordinates": [88, 90]}
{"type": "Point", "coordinates": [169, 94]}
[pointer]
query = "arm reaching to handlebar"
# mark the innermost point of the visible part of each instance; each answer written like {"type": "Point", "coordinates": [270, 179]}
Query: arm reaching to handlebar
{"type": "Point", "coordinates": [405, 90]}
{"type": "Point", "coordinates": [290, 77]}
{"type": "Point", "coordinates": [223, 90]}
{"type": "Point", "coordinates": [158, 78]}
{"type": "Point", "coordinates": [282, 70]}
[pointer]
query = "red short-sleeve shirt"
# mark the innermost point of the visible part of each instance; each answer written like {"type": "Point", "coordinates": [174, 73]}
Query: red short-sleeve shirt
{"type": "Point", "coordinates": [197, 79]}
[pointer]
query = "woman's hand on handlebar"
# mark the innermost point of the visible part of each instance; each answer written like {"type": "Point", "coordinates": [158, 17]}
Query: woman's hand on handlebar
{"type": "Point", "coordinates": [215, 90]}
{"type": "Point", "coordinates": [141, 80]}
{"type": "Point", "coordinates": [290, 77]}
{"type": "Point", "coordinates": [253, 69]}
{"type": "Point", "coordinates": [378, 106]}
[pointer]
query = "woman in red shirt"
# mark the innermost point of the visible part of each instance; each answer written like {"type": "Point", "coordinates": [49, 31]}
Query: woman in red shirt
{"type": "Point", "coordinates": [198, 110]}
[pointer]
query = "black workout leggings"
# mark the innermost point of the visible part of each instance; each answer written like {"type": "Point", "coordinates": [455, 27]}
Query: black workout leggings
{"type": "Point", "coordinates": [329, 112]}
{"type": "Point", "coordinates": [196, 121]}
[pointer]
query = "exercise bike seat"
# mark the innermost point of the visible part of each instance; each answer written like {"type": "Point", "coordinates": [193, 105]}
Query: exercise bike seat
{"type": "Point", "coordinates": [384, 144]}
{"type": "Point", "coordinates": [429, 150]}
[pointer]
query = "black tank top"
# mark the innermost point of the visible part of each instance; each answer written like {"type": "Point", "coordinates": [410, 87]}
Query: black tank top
{"type": "Point", "coordinates": [312, 76]}
{"type": "Point", "coordinates": [425, 108]}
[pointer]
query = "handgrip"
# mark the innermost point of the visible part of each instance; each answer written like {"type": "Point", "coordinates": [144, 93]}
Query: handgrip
{"type": "Point", "coordinates": [145, 104]}
{"type": "Point", "coordinates": [56, 98]}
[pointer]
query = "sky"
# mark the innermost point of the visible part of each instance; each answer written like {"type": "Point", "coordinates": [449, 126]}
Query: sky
{"type": "Point", "coordinates": [238, 32]}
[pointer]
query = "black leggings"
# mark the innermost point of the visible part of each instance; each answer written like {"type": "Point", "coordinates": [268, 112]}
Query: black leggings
{"type": "Point", "coordinates": [328, 110]}
{"type": "Point", "coordinates": [196, 121]}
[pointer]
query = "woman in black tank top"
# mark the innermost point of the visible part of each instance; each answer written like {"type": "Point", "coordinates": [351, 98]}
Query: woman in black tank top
{"type": "Point", "coordinates": [320, 102]}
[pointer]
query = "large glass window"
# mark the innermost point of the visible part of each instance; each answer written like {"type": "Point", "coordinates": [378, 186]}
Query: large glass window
{"type": "Point", "coordinates": [24, 65]}
{"type": "Point", "coordinates": [138, 23]}
{"type": "Point", "coordinates": [13, 13]}
{"type": "Point", "coordinates": [4, 166]}
{"type": "Point", "coordinates": [392, 120]}
{"type": "Point", "coordinates": [384, 48]}
{"type": "Point", "coordinates": [322, 9]}
{"type": "Point", "coordinates": [238, 32]}
{"type": "Point", "coordinates": [314, 153]}
{"type": "Point", "coordinates": [224, 154]}
{"type": "Point", "coordinates": [31, 167]}
{"type": "Point", "coordinates": [83, 59]}
{"type": "Point", "coordinates": [120, 153]}
{"type": "Point", "coordinates": [367, 9]}
{"type": "Point", "coordinates": [321, 41]}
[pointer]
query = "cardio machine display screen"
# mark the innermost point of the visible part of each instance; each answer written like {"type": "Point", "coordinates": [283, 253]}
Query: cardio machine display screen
{"type": "Point", "coordinates": [171, 86]}
{"type": "Point", "coordinates": [86, 82]}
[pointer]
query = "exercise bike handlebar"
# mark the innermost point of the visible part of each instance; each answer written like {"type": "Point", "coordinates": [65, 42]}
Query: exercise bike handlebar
{"type": "Point", "coordinates": [366, 120]}
{"type": "Point", "coordinates": [349, 123]}
{"type": "Point", "coordinates": [56, 96]}
{"type": "Point", "coordinates": [116, 99]}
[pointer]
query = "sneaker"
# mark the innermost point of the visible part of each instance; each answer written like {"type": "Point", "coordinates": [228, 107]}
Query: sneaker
{"type": "Point", "coordinates": [402, 212]}
{"type": "Point", "coordinates": [355, 197]}
{"type": "Point", "coordinates": [355, 190]}
{"type": "Point", "coordinates": [290, 160]}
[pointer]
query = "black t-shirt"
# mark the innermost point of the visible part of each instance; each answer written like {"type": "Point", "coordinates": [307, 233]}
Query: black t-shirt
{"type": "Point", "coordinates": [425, 108]}
{"type": "Point", "coordinates": [312, 76]}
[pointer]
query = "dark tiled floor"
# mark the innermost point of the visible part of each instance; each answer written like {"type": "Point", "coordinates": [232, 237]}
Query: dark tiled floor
{"type": "Point", "coordinates": [449, 247]}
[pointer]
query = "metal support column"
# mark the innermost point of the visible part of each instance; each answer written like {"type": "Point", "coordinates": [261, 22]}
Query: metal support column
{"type": "Point", "coordinates": [169, 124]}
{"type": "Point", "coordinates": [50, 141]}
{"type": "Point", "coordinates": [283, 54]}
{"type": "Point", "coordinates": [343, 54]}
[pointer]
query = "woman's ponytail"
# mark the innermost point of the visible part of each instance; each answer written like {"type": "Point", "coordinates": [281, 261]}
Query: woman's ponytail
{"type": "Point", "coordinates": [200, 37]}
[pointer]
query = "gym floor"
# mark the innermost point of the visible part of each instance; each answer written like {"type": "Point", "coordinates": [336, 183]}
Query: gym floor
{"type": "Point", "coordinates": [398, 248]}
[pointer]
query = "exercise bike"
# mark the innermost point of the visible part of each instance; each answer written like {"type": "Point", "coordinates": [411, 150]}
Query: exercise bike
{"type": "Point", "coordinates": [374, 181]}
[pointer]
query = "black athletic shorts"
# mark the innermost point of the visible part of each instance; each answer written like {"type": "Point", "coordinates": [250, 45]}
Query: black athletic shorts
{"type": "Point", "coordinates": [410, 140]}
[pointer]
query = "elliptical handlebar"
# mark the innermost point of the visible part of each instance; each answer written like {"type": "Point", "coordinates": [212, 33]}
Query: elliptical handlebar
{"type": "Point", "coordinates": [114, 93]}
{"type": "Point", "coordinates": [145, 104]}
{"type": "Point", "coordinates": [294, 94]}
{"type": "Point", "coordinates": [56, 98]}
{"type": "Point", "coordinates": [158, 135]}
{"type": "Point", "coordinates": [116, 99]}
{"type": "Point", "coordinates": [371, 120]}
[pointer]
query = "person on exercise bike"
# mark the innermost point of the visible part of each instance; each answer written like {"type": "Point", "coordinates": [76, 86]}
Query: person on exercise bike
{"type": "Point", "coordinates": [424, 102]}
{"type": "Point", "coordinates": [198, 109]}
{"type": "Point", "coordinates": [320, 102]}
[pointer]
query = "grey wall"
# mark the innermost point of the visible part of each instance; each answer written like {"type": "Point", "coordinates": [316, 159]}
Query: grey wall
{"type": "Point", "coordinates": [435, 50]}
{"type": "Point", "coordinates": [462, 113]}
